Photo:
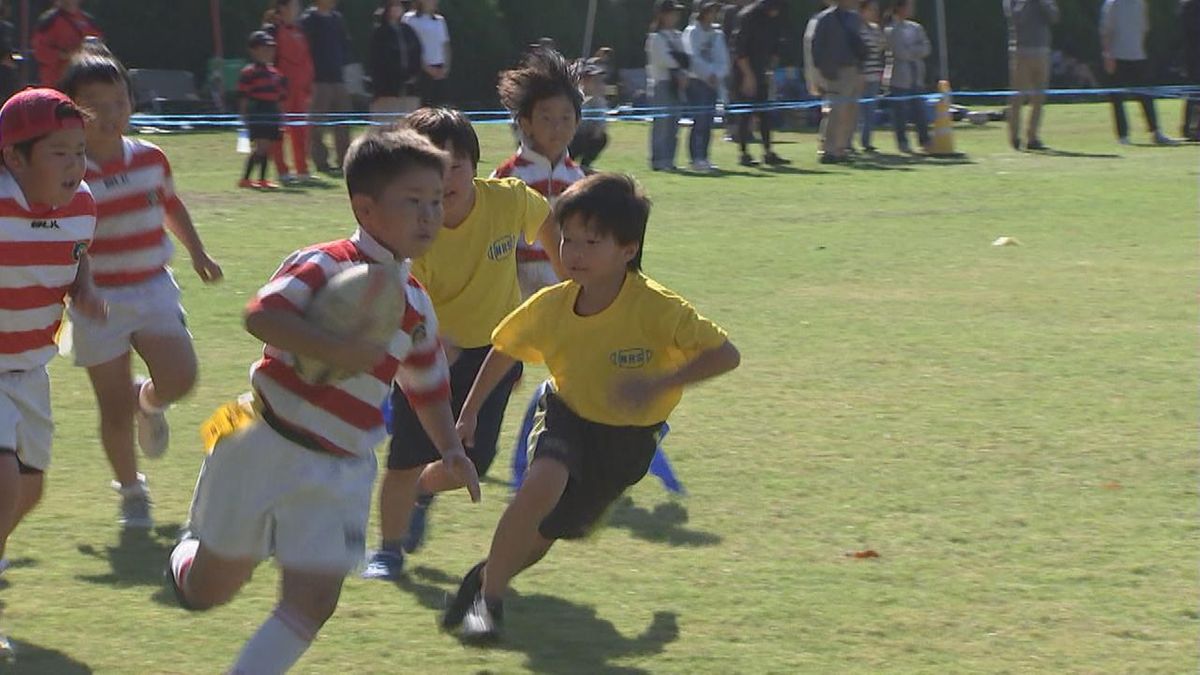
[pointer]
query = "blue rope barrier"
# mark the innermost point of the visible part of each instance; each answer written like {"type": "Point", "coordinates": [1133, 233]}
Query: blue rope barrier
{"type": "Point", "coordinates": [623, 113]}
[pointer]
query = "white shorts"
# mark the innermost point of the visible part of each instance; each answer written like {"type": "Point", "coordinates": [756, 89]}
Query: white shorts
{"type": "Point", "coordinates": [25, 424]}
{"type": "Point", "coordinates": [534, 275]}
{"type": "Point", "coordinates": [151, 307]}
{"type": "Point", "coordinates": [260, 495]}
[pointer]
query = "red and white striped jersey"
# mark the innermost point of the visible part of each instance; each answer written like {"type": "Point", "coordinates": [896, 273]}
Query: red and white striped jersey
{"type": "Point", "coordinates": [39, 257]}
{"type": "Point", "coordinates": [547, 178]}
{"type": "Point", "coordinates": [133, 194]}
{"type": "Point", "coordinates": [346, 417]}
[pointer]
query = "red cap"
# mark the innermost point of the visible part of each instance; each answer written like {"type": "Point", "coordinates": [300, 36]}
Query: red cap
{"type": "Point", "coordinates": [33, 113]}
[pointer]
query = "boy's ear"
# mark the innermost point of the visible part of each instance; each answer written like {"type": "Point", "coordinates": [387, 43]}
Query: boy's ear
{"type": "Point", "coordinates": [363, 207]}
{"type": "Point", "coordinates": [13, 159]}
{"type": "Point", "coordinates": [526, 124]}
{"type": "Point", "coordinates": [630, 251]}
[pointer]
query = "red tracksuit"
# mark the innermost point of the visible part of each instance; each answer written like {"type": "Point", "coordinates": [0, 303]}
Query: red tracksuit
{"type": "Point", "coordinates": [294, 61]}
{"type": "Point", "coordinates": [56, 38]}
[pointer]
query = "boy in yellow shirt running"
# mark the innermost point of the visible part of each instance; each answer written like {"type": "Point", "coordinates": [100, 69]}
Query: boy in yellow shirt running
{"type": "Point", "coordinates": [620, 348]}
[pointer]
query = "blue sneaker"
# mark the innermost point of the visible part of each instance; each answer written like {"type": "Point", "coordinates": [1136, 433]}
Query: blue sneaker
{"type": "Point", "coordinates": [385, 565]}
{"type": "Point", "coordinates": [417, 524]}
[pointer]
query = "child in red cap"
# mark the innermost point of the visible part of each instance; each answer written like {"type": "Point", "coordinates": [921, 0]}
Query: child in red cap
{"type": "Point", "coordinates": [261, 87]}
{"type": "Point", "coordinates": [47, 219]}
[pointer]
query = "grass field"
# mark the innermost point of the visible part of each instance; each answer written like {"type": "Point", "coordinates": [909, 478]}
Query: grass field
{"type": "Point", "coordinates": [1012, 429]}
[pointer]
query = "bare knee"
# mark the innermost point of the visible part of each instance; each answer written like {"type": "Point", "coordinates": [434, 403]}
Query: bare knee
{"type": "Point", "coordinates": [314, 597]}
{"type": "Point", "coordinates": [177, 381]}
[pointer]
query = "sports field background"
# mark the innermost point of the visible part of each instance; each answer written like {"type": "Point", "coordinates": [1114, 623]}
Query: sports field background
{"type": "Point", "coordinates": [1011, 429]}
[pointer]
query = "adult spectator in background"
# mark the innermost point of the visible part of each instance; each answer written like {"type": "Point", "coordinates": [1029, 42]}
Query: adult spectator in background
{"type": "Point", "coordinates": [909, 47]}
{"type": "Point", "coordinates": [435, 50]}
{"type": "Point", "coordinates": [394, 62]}
{"type": "Point", "coordinates": [813, 81]}
{"type": "Point", "coordinates": [838, 50]}
{"type": "Point", "coordinates": [759, 36]}
{"type": "Point", "coordinates": [294, 62]}
{"type": "Point", "coordinates": [705, 46]}
{"type": "Point", "coordinates": [872, 69]}
{"type": "Point", "coordinates": [666, 79]}
{"type": "Point", "coordinates": [729, 24]}
{"type": "Point", "coordinates": [1029, 38]}
{"type": "Point", "coordinates": [58, 35]}
{"type": "Point", "coordinates": [10, 78]}
{"type": "Point", "coordinates": [1123, 28]}
{"type": "Point", "coordinates": [1189, 15]}
{"type": "Point", "coordinates": [329, 44]}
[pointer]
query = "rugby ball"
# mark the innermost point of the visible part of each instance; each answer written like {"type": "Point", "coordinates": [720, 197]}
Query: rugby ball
{"type": "Point", "coordinates": [366, 300]}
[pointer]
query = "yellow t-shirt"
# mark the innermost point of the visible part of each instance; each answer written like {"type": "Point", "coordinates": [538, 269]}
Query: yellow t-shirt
{"type": "Point", "coordinates": [647, 331]}
{"type": "Point", "coordinates": [470, 271]}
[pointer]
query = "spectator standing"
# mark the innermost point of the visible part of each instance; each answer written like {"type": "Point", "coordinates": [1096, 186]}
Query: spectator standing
{"type": "Point", "coordinates": [813, 81]}
{"type": "Point", "coordinates": [704, 43]}
{"type": "Point", "coordinates": [759, 35]}
{"type": "Point", "coordinates": [1123, 28]}
{"type": "Point", "coordinates": [872, 70]}
{"type": "Point", "coordinates": [1189, 15]}
{"type": "Point", "coordinates": [394, 62]}
{"type": "Point", "coordinates": [666, 78]}
{"type": "Point", "coordinates": [434, 34]}
{"type": "Point", "coordinates": [1029, 42]}
{"type": "Point", "coordinates": [909, 47]}
{"type": "Point", "coordinates": [837, 49]}
{"type": "Point", "coordinates": [294, 61]}
{"type": "Point", "coordinates": [729, 25]}
{"type": "Point", "coordinates": [329, 44]}
{"type": "Point", "coordinates": [9, 76]}
{"type": "Point", "coordinates": [59, 34]}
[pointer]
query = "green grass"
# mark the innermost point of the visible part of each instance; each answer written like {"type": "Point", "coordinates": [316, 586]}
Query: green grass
{"type": "Point", "coordinates": [1012, 429]}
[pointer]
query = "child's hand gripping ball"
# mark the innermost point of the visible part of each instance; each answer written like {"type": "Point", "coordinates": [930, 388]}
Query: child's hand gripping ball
{"type": "Point", "coordinates": [364, 304]}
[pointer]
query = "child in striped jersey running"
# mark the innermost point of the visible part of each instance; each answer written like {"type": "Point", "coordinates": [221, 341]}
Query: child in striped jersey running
{"type": "Point", "coordinates": [47, 220]}
{"type": "Point", "coordinates": [543, 96]}
{"type": "Point", "coordinates": [136, 204]}
{"type": "Point", "coordinates": [292, 464]}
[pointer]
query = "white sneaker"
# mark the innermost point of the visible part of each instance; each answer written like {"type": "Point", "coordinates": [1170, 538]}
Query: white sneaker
{"type": "Point", "coordinates": [1124, 140]}
{"type": "Point", "coordinates": [702, 166]}
{"type": "Point", "coordinates": [153, 432]}
{"type": "Point", "coordinates": [135, 505]}
{"type": "Point", "coordinates": [288, 178]}
{"type": "Point", "coordinates": [4, 565]}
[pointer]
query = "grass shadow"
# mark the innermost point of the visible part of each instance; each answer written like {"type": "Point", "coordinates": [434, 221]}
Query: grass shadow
{"type": "Point", "coordinates": [431, 595]}
{"type": "Point", "coordinates": [31, 658]}
{"type": "Point", "coordinates": [559, 636]}
{"type": "Point", "coordinates": [664, 524]}
{"type": "Point", "coordinates": [138, 558]}
{"type": "Point", "coordinates": [1051, 152]}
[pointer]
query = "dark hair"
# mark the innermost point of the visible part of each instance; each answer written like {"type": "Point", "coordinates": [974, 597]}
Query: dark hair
{"type": "Point", "coordinates": [445, 126]}
{"type": "Point", "coordinates": [378, 157]}
{"type": "Point", "coordinates": [543, 74]}
{"type": "Point", "coordinates": [64, 111]}
{"type": "Point", "coordinates": [612, 204]}
{"type": "Point", "coordinates": [91, 66]}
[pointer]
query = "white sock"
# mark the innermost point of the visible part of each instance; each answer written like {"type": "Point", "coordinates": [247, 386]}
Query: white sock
{"type": "Point", "coordinates": [181, 560]}
{"type": "Point", "coordinates": [144, 403]}
{"type": "Point", "coordinates": [277, 645]}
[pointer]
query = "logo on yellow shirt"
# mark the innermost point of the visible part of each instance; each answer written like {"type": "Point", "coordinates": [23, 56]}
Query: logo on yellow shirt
{"type": "Point", "coordinates": [631, 358]}
{"type": "Point", "coordinates": [502, 247]}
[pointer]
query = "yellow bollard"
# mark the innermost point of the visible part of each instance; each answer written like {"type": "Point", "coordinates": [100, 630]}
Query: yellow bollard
{"type": "Point", "coordinates": [942, 143]}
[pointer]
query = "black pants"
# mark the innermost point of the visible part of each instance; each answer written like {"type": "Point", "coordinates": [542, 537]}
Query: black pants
{"type": "Point", "coordinates": [758, 98]}
{"type": "Point", "coordinates": [1191, 111]}
{"type": "Point", "coordinates": [1132, 74]}
{"type": "Point", "coordinates": [433, 92]}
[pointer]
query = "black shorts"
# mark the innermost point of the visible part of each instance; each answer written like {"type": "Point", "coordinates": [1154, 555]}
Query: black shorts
{"type": "Point", "coordinates": [603, 461]}
{"type": "Point", "coordinates": [264, 120]}
{"type": "Point", "coordinates": [22, 468]}
{"type": "Point", "coordinates": [410, 446]}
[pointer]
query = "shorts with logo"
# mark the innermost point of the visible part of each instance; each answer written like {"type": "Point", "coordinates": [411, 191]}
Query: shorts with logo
{"type": "Point", "coordinates": [602, 460]}
{"type": "Point", "coordinates": [25, 424]}
{"type": "Point", "coordinates": [261, 495]}
{"type": "Point", "coordinates": [411, 447]}
{"type": "Point", "coordinates": [150, 308]}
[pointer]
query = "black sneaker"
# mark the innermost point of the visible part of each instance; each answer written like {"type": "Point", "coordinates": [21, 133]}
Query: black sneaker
{"type": "Point", "coordinates": [461, 603]}
{"type": "Point", "coordinates": [1015, 142]}
{"type": "Point", "coordinates": [772, 159]}
{"type": "Point", "coordinates": [1035, 144]}
{"type": "Point", "coordinates": [483, 621]}
{"type": "Point", "coordinates": [747, 160]}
